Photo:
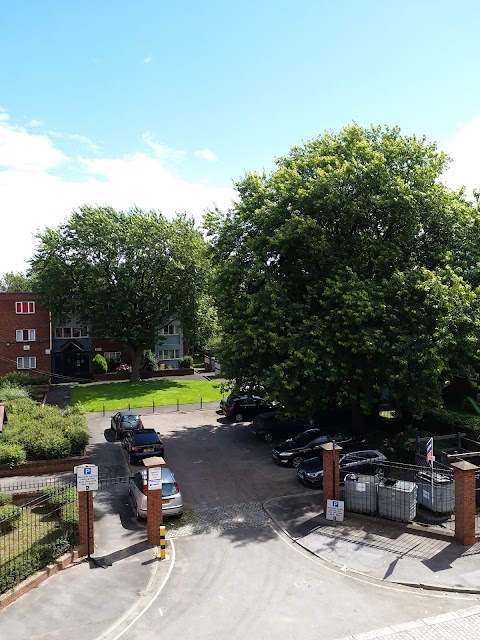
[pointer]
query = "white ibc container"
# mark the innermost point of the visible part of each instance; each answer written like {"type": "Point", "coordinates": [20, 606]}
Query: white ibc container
{"type": "Point", "coordinates": [437, 493]}
{"type": "Point", "coordinates": [397, 499]}
{"type": "Point", "coordinates": [360, 492]}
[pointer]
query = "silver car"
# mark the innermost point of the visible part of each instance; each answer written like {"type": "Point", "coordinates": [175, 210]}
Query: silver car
{"type": "Point", "coordinates": [172, 501]}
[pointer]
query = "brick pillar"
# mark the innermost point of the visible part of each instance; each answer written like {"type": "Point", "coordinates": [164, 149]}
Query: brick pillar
{"type": "Point", "coordinates": [85, 523]}
{"type": "Point", "coordinates": [464, 473]}
{"type": "Point", "coordinates": [154, 503]}
{"type": "Point", "coordinates": [331, 473]}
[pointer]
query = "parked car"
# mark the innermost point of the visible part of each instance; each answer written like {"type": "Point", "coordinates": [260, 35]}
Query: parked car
{"type": "Point", "coordinates": [273, 425]}
{"type": "Point", "coordinates": [252, 390]}
{"type": "Point", "coordinates": [172, 501]}
{"type": "Point", "coordinates": [369, 461]}
{"type": "Point", "coordinates": [247, 407]}
{"type": "Point", "coordinates": [294, 450]}
{"type": "Point", "coordinates": [143, 444]}
{"type": "Point", "coordinates": [125, 421]}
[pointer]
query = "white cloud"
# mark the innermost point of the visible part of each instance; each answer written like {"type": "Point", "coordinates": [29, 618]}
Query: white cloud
{"type": "Point", "coordinates": [36, 189]}
{"type": "Point", "coordinates": [206, 154]}
{"type": "Point", "coordinates": [160, 150]}
{"type": "Point", "coordinates": [147, 60]}
{"type": "Point", "coordinates": [464, 148]}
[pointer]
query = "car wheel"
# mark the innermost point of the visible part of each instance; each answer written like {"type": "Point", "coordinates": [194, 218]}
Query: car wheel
{"type": "Point", "coordinates": [268, 437]}
{"type": "Point", "coordinates": [379, 472]}
{"type": "Point", "coordinates": [239, 417]}
{"type": "Point", "coordinates": [297, 461]}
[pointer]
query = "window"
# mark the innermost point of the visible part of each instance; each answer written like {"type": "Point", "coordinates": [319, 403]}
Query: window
{"type": "Point", "coordinates": [113, 356]}
{"type": "Point", "coordinates": [26, 363]}
{"type": "Point", "coordinates": [169, 354]}
{"type": "Point", "coordinates": [71, 332]}
{"type": "Point", "coordinates": [25, 335]}
{"type": "Point", "coordinates": [171, 330]}
{"type": "Point", "coordinates": [25, 307]}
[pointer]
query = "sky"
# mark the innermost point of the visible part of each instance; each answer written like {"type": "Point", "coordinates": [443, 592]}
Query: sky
{"type": "Point", "coordinates": [165, 105]}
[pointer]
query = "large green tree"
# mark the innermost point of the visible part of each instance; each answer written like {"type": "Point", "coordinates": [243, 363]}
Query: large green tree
{"type": "Point", "coordinates": [126, 274]}
{"type": "Point", "coordinates": [346, 272]}
{"type": "Point", "coordinates": [18, 282]}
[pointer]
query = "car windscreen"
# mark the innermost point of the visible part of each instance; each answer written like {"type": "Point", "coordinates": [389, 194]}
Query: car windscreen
{"type": "Point", "coordinates": [131, 419]}
{"type": "Point", "coordinates": [168, 489]}
{"type": "Point", "coordinates": [304, 438]}
{"type": "Point", "coordinates": [144, 438]}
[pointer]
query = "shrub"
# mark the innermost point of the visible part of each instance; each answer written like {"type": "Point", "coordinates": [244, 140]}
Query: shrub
{"type": "Point", "coordinates": [99, 364]}
{"type": "Point", "coordinates": [149, 361]}
{"type": "Point", "coordinates": [449, 421]}
{"type": "Point", "coordinates": [9, 516]}
{"type": "Point", "coordinates": [60, 495]}
{"type": "Point", "coordinates": [77, 436]}
{"type": "Point", "coordinates": [22, 379]}
{"type": "Point", "coordinates": [51, 445]}
{"type": "Point", "coordinates": [5, 498]}
{"type": "Point", "coordinates": [12, 454]}
{"type": "Point", "coordinates": [11, 391]}
{"type": "Point", "coordinates": [161, 365]}
{"type": "Point", "coordinates": [124, 368]}
{"type": "Point", "coordinates": [186, 362]}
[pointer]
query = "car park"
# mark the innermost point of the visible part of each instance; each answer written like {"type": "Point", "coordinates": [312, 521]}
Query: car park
{"type": "Point", "coordinates": [368, 461]}
{"type": "Point", "coordinates": [274, 425]}
{"type": "Point", "coordinates": [125, 421]}
{"type": "Point", "coordinates": [143, 444]}
{"type": "Point", "coordinates": [247, 407]}
{"type": "Point", "coordinates": [172, 500]}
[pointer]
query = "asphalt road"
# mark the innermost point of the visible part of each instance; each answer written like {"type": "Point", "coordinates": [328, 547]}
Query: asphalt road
{"type": "Point", "coordinates": [234, 575]}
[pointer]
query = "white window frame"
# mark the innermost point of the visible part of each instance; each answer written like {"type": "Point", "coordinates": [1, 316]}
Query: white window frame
{"type": "Point", "coordinates": [30, 307]}
{"type": "Point", "coordinates": [31, 335]}
{"type": "Point", "coordinates": [171, 330]}
{"type": "Point", "coordinates": [167, 354]}
{"type": "Point", "coordinates": [117, 356]}
{"type": "Point", "coordinates": [27, 362]}
{"type": "Point", "coordinates": [60, 332]}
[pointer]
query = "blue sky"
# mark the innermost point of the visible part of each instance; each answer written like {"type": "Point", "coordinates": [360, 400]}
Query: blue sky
{"type": "Point", "coordinates": [164, 105]}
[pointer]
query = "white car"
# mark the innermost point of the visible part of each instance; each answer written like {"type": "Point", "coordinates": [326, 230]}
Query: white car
{"type": "Point", "coordinates": [172, 501]}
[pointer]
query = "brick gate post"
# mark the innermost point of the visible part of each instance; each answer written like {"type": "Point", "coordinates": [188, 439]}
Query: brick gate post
{"type": "Point", "coordinates": [154, 501]}
{"type": "Point", "coordinates": [464, 473]}
{"type": "Point", "coordinates": [331, 473]}
{"type": "Point", "coordinates": [85, 522]}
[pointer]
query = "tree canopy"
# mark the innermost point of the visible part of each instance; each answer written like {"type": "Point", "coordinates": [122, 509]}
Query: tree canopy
{"type": "Point", "coordinates": [18, 282]}
{"type": "Point", "coordinates": [348, 272]}
{"type": "Point", "coordinates": [124, 273]}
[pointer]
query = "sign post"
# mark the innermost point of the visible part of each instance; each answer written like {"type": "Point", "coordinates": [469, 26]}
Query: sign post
{"type": "Point", "coordinates": [87, 481]}
{"type": "Point", "coordinates": [430, 460]}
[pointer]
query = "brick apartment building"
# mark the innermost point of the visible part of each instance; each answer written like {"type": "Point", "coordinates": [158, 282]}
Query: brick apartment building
{"type": "Point", "coordinates": [28, 343]}
{"type": "Point", "coordinates": [25, 334]}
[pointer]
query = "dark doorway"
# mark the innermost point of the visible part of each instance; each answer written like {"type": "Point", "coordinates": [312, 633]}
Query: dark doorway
{"type": "Point", "coordinates": [72, 361]}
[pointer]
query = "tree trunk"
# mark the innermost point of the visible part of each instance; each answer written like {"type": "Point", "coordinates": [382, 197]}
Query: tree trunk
{"type": "Point", "coordinates": [137, 353]}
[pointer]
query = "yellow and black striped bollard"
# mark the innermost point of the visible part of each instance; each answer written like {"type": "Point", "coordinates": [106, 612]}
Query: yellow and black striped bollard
{"type": "Point", "coordinates": [163, 544]}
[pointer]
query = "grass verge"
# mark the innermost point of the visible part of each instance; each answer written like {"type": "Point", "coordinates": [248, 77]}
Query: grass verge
{"type": "Point", "coordinates": [164, 392]}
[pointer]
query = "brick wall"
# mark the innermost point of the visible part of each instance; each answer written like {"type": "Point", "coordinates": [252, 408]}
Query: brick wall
{"type": "Point", "coordinates": [10, 322]}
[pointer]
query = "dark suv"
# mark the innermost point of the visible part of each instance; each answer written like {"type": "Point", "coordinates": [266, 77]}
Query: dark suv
{"type": "Point", "coordinates": [275, 426]}
{"type": "Point", "coordinates": [143, 444]}
{"type": "Point", "coordinates": [246, 407]}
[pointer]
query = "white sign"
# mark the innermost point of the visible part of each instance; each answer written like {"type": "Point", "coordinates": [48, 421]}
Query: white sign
{"type": "Point", "coordinates": [87, 477]}
{"type": "Point", "coordinates": [335, 510]}
{"type": "Point", "coordinates": [155, 478]}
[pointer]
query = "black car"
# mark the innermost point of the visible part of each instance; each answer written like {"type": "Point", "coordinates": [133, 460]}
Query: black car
{"type": "Point", "coordinates": [307, 444]}
{"type": "Point", "coordinates": [247, 407]}
{"type": "Point", "coordinates": [125, 421]}
{"type": "Point", "coordinates": [369, 461]}
{"type": "Point", "coordinates": [276, 426]}
{"type": "Point", "coordinates": [143, 444]}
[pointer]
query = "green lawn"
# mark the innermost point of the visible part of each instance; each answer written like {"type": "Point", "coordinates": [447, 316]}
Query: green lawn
{"type": "Point", "coordinates": [119, 395]}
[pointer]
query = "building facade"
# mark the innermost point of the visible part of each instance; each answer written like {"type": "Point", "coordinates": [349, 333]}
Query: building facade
{"type": "Point", "coordinates": [25, 334]}
{"type": "Point", "coordinates": [30, 343]}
